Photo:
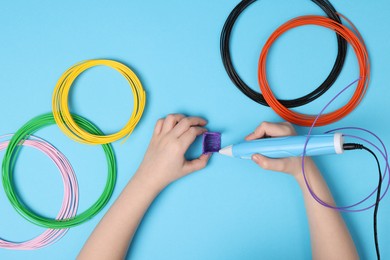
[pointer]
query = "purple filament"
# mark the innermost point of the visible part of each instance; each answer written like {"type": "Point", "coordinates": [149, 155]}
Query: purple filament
{"type": "Point", "coordinates": [384, 154]}
{"type": "Point", "coordinates": [211, 142]}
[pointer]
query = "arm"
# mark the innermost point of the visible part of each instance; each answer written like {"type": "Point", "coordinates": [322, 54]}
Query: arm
{"type": "Point", "coordinates": [164, 162]}
{"type": "Point", "coordinates": [330, 238]}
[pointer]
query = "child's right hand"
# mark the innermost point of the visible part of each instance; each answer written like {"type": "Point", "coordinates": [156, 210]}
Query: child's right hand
{"type": "Point", "coordinates": [291, 165]}
{"type": "Point", "coordinates": [164, 161]}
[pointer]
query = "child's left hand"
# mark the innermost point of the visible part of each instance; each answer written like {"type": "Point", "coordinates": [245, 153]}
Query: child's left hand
{"type": "Point", "coordinates": [164, 161]}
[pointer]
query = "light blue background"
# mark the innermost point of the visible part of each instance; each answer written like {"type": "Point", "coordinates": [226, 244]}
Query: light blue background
{"type": "Point", "coordinates": [232, 209]}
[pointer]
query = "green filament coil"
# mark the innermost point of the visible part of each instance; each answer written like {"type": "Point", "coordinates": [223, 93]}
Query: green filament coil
{"type": "Point", "coordinates": [8, 168]}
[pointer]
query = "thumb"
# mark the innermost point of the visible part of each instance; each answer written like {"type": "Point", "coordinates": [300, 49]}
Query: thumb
{"type": "Point", "coordinates": [266, 163]}
{"type": "Point", "coordinates": [197, 164]}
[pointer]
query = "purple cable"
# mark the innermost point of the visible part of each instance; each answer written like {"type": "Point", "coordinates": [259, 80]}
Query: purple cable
{"type": "Point", "coordinates": [384, 154]}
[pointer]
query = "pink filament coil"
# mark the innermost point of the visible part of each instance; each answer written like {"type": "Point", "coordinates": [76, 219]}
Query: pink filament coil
{"type": "Point", "coordinates": [69, 203]}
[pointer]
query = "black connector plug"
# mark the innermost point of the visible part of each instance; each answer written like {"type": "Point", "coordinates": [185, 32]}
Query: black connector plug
{"type": "Point", "coordinates": [352, 146]}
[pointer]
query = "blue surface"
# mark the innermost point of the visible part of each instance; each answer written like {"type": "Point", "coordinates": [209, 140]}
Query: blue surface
{"type": "Point", "coordinates": [232, 209]}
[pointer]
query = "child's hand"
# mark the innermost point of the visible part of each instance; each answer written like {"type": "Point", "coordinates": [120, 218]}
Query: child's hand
{"type": "Point", "coordinates": [164, 161]}
{"type": "Point", "coordinates": [291, 165]}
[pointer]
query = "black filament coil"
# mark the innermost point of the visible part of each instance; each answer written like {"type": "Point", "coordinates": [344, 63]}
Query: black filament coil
{"type": "Point", "coordinates": [330, 11]}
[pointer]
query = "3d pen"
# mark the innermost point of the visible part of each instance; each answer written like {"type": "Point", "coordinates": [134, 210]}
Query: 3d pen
{"type": "Point", "coordinates": [281, 147]}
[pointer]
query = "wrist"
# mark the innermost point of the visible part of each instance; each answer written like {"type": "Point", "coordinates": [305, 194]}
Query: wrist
{"type": "Point", "coordinates": [147, 182]}
{"type": "Point", "coordinates": [309, 166]}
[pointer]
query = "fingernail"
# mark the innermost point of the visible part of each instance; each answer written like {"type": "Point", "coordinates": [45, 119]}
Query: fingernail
{"type": "Point", "coordinates": [207, 155]}
{"type": "Point", "coordinates": [250, 135]}
{"type": "Point", "coordinates": [256, 157]}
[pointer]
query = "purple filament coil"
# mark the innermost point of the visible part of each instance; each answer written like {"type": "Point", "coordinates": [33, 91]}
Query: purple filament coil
{"type": "Point", "coordinates": [211, 142]}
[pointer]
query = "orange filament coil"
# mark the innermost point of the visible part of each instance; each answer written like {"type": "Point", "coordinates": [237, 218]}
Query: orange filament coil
{"type": "Point", "coordinates": [353, 37]}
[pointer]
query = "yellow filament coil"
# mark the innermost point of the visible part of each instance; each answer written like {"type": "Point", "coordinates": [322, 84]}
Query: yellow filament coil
{"type": "Point", "coordinates": [64, 118]}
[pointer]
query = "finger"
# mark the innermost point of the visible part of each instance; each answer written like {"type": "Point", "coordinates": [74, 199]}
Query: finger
{"type": "Point", "coordinates": [197, 164]}
{"type": "Point", "coordinates": [186, 123]}
{"type": "Point", "coordinates": [266, 163]}
{"type": "Point", "coordinates": [271, 129]}
{"type": "Point", "coordinates": [190, 135]}
{"type": "Point", "coordinates": [170, 121]}
{"type": "Point", "coordinates": [158, 126]}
